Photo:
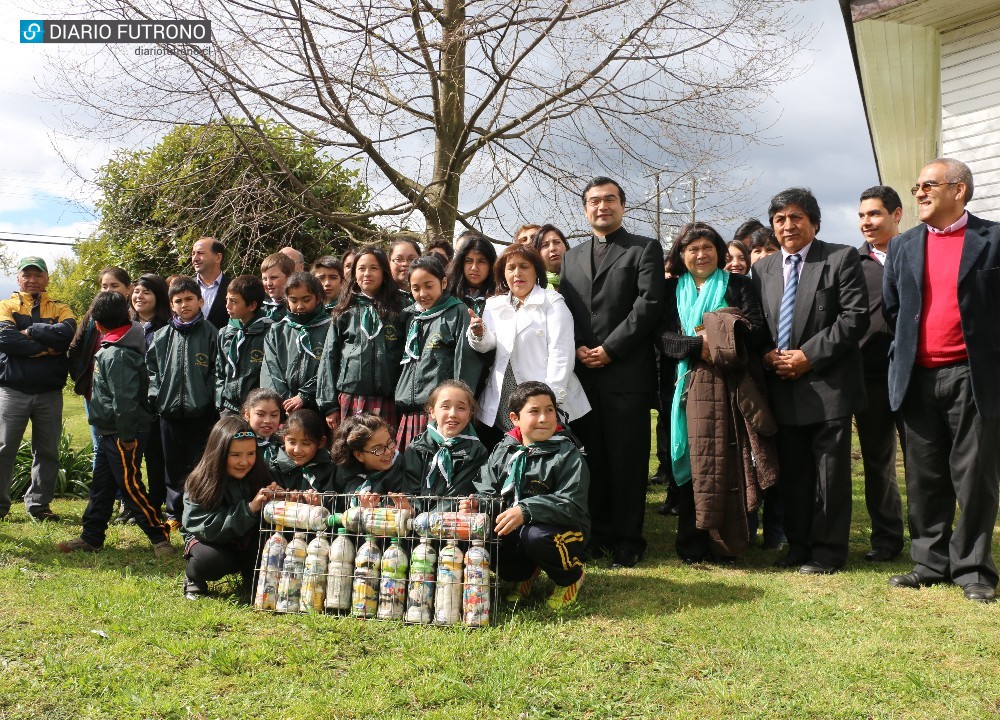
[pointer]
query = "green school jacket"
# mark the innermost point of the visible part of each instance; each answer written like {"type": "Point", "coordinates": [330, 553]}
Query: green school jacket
{"type": "Point", "coordinates": [288, 369]}
{"type": "Point", "coordinates": [232, 388]}
{"type": "Point", "coordinates": [231, 521]}
{"type": "Point", "coordinates": [317, 474]}
{"type": "Point", "coordinates": [119, 401]}
{"type": "Point", "coordinates": [467, 459]}
{"type": "Point", "coordinates": [354, 479]}
{"type": "Point", "coordinates": [353, 364]}
{"type": "Point", "coordinates": [555, 484]}
{"type": "Point", "coordinates": [444, 354]}
{"type": "Point", "coordinates": [181, 366]}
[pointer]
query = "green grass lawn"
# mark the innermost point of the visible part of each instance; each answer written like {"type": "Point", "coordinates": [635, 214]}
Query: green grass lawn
{"type": "Point", "coordinates": [109, 635]}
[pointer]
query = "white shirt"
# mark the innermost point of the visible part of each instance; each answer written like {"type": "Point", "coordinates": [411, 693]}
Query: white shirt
{"type": "Point", "coordinates": [786, 266]}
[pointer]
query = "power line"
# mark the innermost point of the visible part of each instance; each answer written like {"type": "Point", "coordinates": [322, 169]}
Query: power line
{"type": "Point", "coordinates": [36, 242]}
{"type": "Point", "coordinates": [63, 237]}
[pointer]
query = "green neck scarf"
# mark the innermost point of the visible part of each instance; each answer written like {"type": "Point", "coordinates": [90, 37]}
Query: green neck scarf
{"type": "Point", "coordinates": [412, 333]}
{"type": "Point", "coordinates": [514, 472]}
{"type": "Point", "coordinates": [691, 306]}
{"type": "Point", "coordinates": [302, 324]}
{"type": "Point", "coordinates": [233, 351]}
{"type": "Point", "coordinates": [442, 461]}
{"type": "Point", "coordinates": [371, 323]}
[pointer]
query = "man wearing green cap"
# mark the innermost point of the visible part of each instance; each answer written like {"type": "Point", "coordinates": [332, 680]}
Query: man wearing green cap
{"type": "Point", "coordinates": [35, 331]}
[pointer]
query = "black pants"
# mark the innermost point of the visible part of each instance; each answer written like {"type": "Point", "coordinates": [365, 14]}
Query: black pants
{"type": "Point", "coordinates": [815, 464]}
{"type": "Point", "coordinates": [155, 473]}
{"type": "Point", "coordinates": [183, 444]}
{"type": "Point", "coordinates": [774, 519]}
{"type": "Point", "coordinates": [616, 437]}
{"type": "Point", "coordinates": [877, 437]}
{"type": "Point", "coordinates": [117, 468]}
{"type": "Point", "coordinates": [209, 561]}
{"type": "Point", "coordinates": [556, 550]}
{"type": "Point", "coordinates": [952, 455]}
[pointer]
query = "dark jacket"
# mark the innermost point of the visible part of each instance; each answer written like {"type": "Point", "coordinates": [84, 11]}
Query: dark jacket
{"type": "Point", "coordinates": [181, 365]}
{"type": "Point", "coordinates": [355, 365]}
{"type": "Point", "coordinates": [444, 354]}
{"type": "Point", "coordinates": [317, 474]}
{"type": "Point", "coordinates": [233, 384]}
{"type": "Point", "coordinates": [467, 458]}
{"type": "Point", "coordinates": [288, 369]}
{"type": "Point", "coordinates": [353, 479]}
{"type": "Point", "coordinates": [217, 315]}
{"type": "Point", "coordinates": [81, 352]}
{"type": "Point", "coordinates": [555, 482]}
{"type": "Point", "coordinates": [617, 307]}
{"type": "Point", "coordinates": [875, 344]}
{"type": "Point", "coordinates": [978, 300]}
{"type": "Point", "coordinates": [231, 522]}
{"type": "Point", "coordinates": [36, 362]}
{"type": "Point", "coordinates": [119, 402]}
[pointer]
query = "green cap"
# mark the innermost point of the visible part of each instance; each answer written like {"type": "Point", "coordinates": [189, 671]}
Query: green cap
{"type": "Point", "coordinates": [35, 262]}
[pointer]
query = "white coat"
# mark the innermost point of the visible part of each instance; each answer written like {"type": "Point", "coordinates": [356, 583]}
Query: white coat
{"type": "Point", "coordinates": [538, 342]}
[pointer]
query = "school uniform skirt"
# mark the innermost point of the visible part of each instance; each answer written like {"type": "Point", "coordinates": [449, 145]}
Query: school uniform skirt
{"type": "Point", "coordinates": [384, 407]}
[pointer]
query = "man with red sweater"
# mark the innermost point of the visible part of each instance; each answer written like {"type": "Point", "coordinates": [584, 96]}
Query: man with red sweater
{"type": "Point", "coordinates": [941, 292]}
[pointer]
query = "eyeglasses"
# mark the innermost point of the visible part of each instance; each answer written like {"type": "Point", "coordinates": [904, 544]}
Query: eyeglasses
{"type": "Point", "coordinates": [379, 450]}
{"type": "Point", "coordinates": [606, 199]}
{"type": "Point", "coordinates": [928, 186]}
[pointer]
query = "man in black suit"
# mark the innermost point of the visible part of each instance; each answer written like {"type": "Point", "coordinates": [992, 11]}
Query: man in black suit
{"type": "Point", "coordinates": [613, 285]}
{"type": "Point", "coordinates": [878, 219]}
{"type": "Point", "coordinates": [941, 293]}
{"type": "Point", "coordinates": [207, 255]}
{"type": "Point", "coordinates": [817, 310]}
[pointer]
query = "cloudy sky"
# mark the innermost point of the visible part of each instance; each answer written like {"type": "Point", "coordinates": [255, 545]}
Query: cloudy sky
{"type": "Point", "coordinates": [818, 139]}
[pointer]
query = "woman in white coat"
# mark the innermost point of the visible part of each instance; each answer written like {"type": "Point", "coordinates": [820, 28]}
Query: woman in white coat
{"type": "Point", "coordinates": [531, 330]}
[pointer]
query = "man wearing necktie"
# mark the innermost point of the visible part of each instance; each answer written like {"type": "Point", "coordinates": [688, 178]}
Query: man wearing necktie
{"type": "Point", "coordinates": [816, 307]}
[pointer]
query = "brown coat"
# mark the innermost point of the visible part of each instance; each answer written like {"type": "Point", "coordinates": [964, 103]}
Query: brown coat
{"type": "Point", "coordinates": [726, 409]}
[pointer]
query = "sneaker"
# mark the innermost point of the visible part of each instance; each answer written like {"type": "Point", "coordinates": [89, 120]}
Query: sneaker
{"type": "Point", "coordinates": [194, 590]}
{"type": "Point", "coordinates": [68, 546]}
{"type": "Point", "coordinates": [564, 596]}
{"type": "Point", "coordinates": [125, 518]}
{"type": "Point", "coordinates": [164, 549]}
{"type": "Point", "coordinates": [43, 514]}
{"type": "Point", "coordinates": [174, 524]}
{"type": "Point", "coordinates": [523, 588]}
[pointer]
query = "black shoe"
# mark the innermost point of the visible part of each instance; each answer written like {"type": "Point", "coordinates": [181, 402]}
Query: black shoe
{"type": "Point", "coordinates": [875, 555]}
{"type": "Point", "coordinates": [815, 567]}
{"type": "Point", "coordinates": [660, 477]}
{"type": "Point", "coordinates": [979, 592]}
{"type": "Point", "coordinates": [913, 581]}
{"type": "Point", "coordinates": [625, 558]}
{"type": "Point", "coordinates": [788, 561]}
{"type": "Point", "coordinates": [194, 590]}
{"type": "Point", "coordinates": [773, 546]}
{"type": "Point", "coordinates": [126, 517]}
{"type": "Point", "coordinates": [44, 514]}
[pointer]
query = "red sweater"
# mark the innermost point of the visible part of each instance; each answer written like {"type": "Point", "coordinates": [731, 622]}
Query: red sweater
{"type": "Point", "coordinates": [941, 340]}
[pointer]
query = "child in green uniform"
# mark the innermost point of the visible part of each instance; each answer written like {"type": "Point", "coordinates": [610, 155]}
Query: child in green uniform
{"type": "Point", "coordinates": [330, 273]}
{"type": "Point", "coordinates": [241, 344]}
{"type": "Point", "coordinates": [436, 348]}
{"type": "Point", "coordinates": [303, 466]}
{"type": "Point", "coordinates": [538, 480]}
{"type": "Point", "coordinates": [293, 347]}
{"type": "Point", "coordinates": [470, 277]}
{"type": "Point", "coordinates": [368, 464]}
{"type": "Point", "coordinates": [360, 364]}
{"type": "Point", "coordinates": [262, 409]}
{"type": "Point", "coordinates": [274, 273]}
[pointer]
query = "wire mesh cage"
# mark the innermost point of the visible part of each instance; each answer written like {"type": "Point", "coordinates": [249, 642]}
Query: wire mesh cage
{"type": "Point", "coordinates": [419, 561]}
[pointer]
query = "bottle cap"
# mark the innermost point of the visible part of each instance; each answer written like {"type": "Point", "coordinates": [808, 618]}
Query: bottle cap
{"type": "Point", "coordinates": [342, 531]}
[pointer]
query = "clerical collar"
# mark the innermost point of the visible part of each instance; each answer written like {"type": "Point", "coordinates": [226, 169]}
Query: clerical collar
{"type": "Point", "coordinates": [610, 236]}
{"type": "Point", "coordinates": [953, 228]}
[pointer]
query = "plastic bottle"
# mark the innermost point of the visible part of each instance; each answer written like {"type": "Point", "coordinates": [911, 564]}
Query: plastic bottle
{"type": "Point", "coordinates": [476, 592]}
{"type": "Point", "coordinates": [392, 591]}
{"type": "Point", "coordinates": [296, 515]}
{"type": "Point", "coordinates": [380, 522]}
{"type": "Point", "coordinates": [420, 592]}
{"type": "Point", "coordinates": [364, 599]}
{"type": "Point", "coordinates": [448, 594]}
{"type": "Point", "coordinates": [460, 526]}
{"type": "Point", "coordinates": [272, 558]}
{"type": "Point", "coordinates": [340, 571]}
{"type": "Point", "coordinates": [290, 583]}
{"type": "Point", "coordinates": [314, 576]}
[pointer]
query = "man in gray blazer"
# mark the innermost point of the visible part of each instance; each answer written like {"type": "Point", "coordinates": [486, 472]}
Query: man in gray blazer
{"type": "Point", "coordinates": [942, 291]}
{"type": "Point", "coordinates": [613, 286]}
{"type": "Point", "coordinates": [817, 310]}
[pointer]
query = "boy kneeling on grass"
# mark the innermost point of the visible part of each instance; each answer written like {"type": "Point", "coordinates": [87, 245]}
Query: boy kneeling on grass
{"type": "Point", "coordinates": [541, 481]}
{"type": "Point", "coordinates": [120, 411]}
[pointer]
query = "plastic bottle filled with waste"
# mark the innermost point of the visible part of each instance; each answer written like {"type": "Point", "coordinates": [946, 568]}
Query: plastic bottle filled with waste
{"type": "Point", "coordinates": [420, 590]}
{"type": "Point", "coordinates": [380, 522]}
{"type": "Point", "coordinates": [460, 526]}
{"type": "Point", "coordinates": [340, 572]}
{"type": "Point", "coordinates": [272, 558]}
{"type": "Point", "coordinates": [392, 591]}
{"type": "Point", "coordinates": [290, 583]}
{"type": "Point", "coordinates": [314, 576]}
{"type": "Point", "coordinates": [296, 515]}
{"type": "Point", "coordinates": [476, 592]}
{"type": "Point", "coordinates": [448, 593]}
{"type": "Point", "coordinates": [364, 598]}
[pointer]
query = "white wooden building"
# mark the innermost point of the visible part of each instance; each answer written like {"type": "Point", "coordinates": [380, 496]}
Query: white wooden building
{"type": "Point", "coordinates": [929, 72]}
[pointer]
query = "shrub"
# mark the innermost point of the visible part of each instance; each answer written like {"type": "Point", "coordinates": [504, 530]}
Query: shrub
{"type": "Point", "coordinates": [76, 469]}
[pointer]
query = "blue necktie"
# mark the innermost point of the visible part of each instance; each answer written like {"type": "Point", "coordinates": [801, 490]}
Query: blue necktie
{"type": "Point", "coordinates": [788, 304]}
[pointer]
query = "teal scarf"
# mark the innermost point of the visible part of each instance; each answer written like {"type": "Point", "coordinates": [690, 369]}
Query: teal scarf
{"type": "Point", "coordinates": [302, 324]}
{"type": "Point", "coordinates": [514, 479]}
{"type": "Point", "coordinates": [442, 461]}
{"type": "Point", "coordinates": [371, 323]}
{"type": "Point", "coordinates": [274, 309]}
{"type": "Point", "coordinates": [233, 351]}
{"type": "Point", "coordinates": [412, 333]}
{"type": "Point", "coordinates": [691, 306]}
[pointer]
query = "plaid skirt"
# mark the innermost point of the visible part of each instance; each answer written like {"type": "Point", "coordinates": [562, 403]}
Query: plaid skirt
{"type": "Point", "coordinates": [384, 407]}
{"type": "Point", "coordinates": [411, 424]}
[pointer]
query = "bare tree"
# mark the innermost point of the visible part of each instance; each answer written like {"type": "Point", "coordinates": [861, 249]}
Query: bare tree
{"type": "Point", "coordinates": [452, 106]}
